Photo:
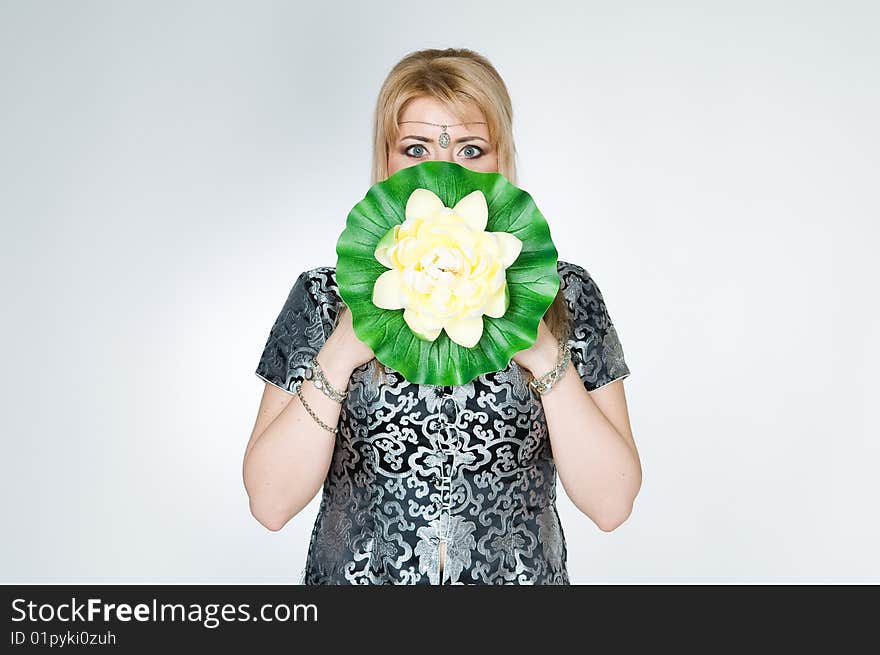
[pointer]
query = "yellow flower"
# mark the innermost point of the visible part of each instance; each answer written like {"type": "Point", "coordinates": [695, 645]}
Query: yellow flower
{"type": "Point", "coordinates": [446, 270]}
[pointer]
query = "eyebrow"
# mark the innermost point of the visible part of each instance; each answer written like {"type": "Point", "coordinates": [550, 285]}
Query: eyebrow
{"type": "Point", "coordinates": [429, 140]}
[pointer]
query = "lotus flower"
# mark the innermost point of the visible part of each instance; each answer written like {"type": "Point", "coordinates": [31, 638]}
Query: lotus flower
{"type": "Point", "coordinates": [446, 270]}
{"type": "Point", "coordinates": [472, 279]}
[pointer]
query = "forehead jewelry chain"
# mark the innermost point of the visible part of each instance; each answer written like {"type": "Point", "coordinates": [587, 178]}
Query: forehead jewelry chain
{"type": "Point", "coordinates": [444, 139]}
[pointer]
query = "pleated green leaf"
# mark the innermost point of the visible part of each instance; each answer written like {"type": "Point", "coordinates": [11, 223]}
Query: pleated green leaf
{"type": "Point", "coordinates": [532, 280]}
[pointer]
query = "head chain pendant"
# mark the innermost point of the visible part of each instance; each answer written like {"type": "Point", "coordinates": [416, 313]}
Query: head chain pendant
{"type": "Point", "coordinates": [444, 138]}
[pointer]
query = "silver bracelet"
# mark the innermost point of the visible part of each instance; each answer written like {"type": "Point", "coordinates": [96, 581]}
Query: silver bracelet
{"type": "Point", "coordinates": [546, 382]}
{"type": "Point", "coordinates": [315, 373]}
{"type": "Point", "coordinates": [312, 413]}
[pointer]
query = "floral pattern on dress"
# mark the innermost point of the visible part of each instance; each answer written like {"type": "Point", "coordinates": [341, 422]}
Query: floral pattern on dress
{"type": "Point", "coordinates": [460, 543]}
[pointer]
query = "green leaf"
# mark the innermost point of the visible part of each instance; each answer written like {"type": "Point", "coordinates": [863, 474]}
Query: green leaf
{"type": "Point", "coordinates": [532, 280]}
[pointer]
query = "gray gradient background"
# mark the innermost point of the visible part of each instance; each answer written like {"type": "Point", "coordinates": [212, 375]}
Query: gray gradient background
{"type": "Point", "coordinates": [169, 168]}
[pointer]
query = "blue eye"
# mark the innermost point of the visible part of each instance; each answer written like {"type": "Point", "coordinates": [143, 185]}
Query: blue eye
{"type": "Point", "coordinates": [479, 151]}
{"type": "Point", "coordinates": [416, 145]}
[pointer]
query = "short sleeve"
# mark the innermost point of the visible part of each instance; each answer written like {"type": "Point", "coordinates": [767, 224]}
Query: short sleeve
{"type": "Point", "coordinates": [596, 351]}
{"type": "Point", "coordinates": [296, 336]}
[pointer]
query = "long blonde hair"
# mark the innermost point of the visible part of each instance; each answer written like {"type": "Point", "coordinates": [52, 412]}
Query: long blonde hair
{"type": "Point", "coordinates": [454, 77]}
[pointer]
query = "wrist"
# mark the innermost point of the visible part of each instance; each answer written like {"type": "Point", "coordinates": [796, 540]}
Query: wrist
{"type": "Point", "coordinates": [545, 382]}
{"type": "Point", "coordinates": [337, 369]}
{"type": "Point", "coordinates": [544, 359]}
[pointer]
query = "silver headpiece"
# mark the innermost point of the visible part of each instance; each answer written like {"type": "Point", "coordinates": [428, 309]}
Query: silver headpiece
{"type": "Point", "coordinates": [444, 139]}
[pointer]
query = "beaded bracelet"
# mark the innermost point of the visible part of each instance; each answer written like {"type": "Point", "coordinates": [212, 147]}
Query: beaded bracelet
{"type": "Point", "coordinates": [312, 413]}
{"type": "Point", "coordinates": [315, 373]}
{"type": "Point", "coordinates": [545, 383]}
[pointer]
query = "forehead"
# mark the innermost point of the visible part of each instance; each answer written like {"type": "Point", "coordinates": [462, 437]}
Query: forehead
{"type": "Point", "coordinates": [432, 110]}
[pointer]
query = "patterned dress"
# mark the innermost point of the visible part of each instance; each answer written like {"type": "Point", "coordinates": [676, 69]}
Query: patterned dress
{"type": "Point", "coordinates": [415, 464]}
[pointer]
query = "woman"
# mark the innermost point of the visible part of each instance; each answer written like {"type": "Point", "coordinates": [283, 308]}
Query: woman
{"type": "Point", "coordinates": [428, 484]}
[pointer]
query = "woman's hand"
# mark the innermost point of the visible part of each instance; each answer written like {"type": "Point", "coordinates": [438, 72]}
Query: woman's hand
{"type": "Point", "coordinates": [542, 355]}
{"type": "Point", "coordinates": [343, 351]}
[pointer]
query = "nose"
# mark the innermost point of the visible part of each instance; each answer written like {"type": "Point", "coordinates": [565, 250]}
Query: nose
{"type": "Point", "coordinates": [446, 154]}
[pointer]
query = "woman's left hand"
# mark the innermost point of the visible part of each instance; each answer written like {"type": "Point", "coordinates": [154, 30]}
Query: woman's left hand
{"type": "Point", "coordinates": [542, 355]}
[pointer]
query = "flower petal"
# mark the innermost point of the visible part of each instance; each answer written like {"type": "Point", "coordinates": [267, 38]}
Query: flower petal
{"type": "Point", "coordinates": [466, 331]}
{"type": "Point", "coordinates": [499, 303]}
{"type": "Point", "coordinates": [387, 290]}
{"type": "Point", "coordinates": [423, 203]}
{"type": "Point", "coordinates": [419, 326]}
{"type": "Point", "coordinates": [385, 244]}
{"type": "Point", "coordinates": [509, 245]}
{"type": "Point", "coordinates": [473, 210]}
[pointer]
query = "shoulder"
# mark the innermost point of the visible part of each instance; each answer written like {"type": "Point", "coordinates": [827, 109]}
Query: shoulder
{"type": "Point", "coordinates": [318, 280]}
{"type": "Point", "coordinates": [319, 273]}
{"type": "Point", "coordinates": [576, 282]}
{"type": "Point", "coordinates": [311, 289]}
{"type": "Point", "coordinates": [569, 270]}
{"type": "Point", "coordinates": [316, 285]}
{"type": "Point", "coordinates": [586, 303]}
{"type": "Point", "coordinates": [322, 270]}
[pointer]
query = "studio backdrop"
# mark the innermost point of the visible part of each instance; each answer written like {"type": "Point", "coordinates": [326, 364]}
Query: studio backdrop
{"type": "Point", "coordinates": [168, 170]}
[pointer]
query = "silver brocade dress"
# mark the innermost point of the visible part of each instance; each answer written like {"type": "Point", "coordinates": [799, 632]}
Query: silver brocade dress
{"type": "Point", "coordinates": [415, 464]}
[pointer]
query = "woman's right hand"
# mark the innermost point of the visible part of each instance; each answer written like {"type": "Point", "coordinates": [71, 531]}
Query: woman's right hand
{"type": "Point", "coordinates": [343, 350]}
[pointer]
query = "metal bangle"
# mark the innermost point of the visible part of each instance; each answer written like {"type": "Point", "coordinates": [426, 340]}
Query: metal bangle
{"type": "Point", "coordinates": [546, 382]}
{"type": "Point", "coordinates": [312, 413]}
{"type": "Point", "coordinates": [315, 373]}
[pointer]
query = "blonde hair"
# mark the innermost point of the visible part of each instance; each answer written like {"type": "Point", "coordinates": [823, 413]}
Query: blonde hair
{"type": "Point", "coordinates": [455, 77]}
